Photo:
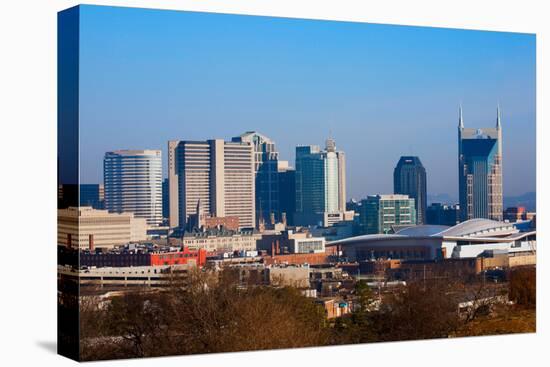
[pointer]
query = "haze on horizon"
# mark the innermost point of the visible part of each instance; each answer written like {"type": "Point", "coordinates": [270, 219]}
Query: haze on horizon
{"type": "Point", "coordinates": [381, 91]}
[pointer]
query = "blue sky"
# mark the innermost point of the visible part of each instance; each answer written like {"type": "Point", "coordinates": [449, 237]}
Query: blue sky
{"type": "Point", "coordinates": [149, 76]}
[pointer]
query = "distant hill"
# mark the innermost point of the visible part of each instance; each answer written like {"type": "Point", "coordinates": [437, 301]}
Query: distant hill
{"type": "Point", "coordinates": [528, 200]}
{"type": "Point", "coordinates": [441, 198]}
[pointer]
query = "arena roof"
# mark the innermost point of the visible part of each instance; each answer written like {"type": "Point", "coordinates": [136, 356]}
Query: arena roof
{"type": "Point", "coordinates": [473, 229]}
{"type": "Point", "coordinates": [479, 226]}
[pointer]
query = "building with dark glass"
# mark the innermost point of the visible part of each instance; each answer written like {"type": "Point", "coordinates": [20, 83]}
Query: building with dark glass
{"type": "Point", "coordinates": [165, 198]}
{"type": "Point", "coordinates": [320, 184]}
{"type": "Point", "coordinates": [441, 214]}
{"type": "Point", "coordinates": [92, 195]}
{"type": "Point", "coordinates": [287, 194]}
{"type": "Point", "coordinates": [409, 178]}
{"type": "Point", "coordinates": [380, 213]}
{"type": "Point", "coordinates": [480, 171]}
{"type": "Point", "coordinates": [266, 160]}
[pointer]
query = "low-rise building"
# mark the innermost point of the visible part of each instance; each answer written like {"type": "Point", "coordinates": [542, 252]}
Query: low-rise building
{"type": "Point", "coordinates": [132, 255]}
{"type": "Point", "coordinates": [123, 277]}
{"type": "Point", "coordinates": [292, 276]}
{"type": "Point", "coordinates": [85, 227]}
{"type": "Point", "coordinates": [291, 242]}
{"type": "Point", "coordinates": [219, 240]}
{"type": "Point", "coordinates": [335, 307]}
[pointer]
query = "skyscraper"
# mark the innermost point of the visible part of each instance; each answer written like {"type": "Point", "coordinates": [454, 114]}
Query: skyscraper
{"type": "Point", "coordinates": [320, 182]}
{"type": "Point", "coordinates": [265, 168]}
{"type": "Point", "coordinates": [219, 174]}
{"type": "Point", "coordinates": [409, 178]}
{"type": "Point", "coordinates": [480, 170]}
{"type": "Point", "coordinates": [165, 199]}
{"type": "Point", "coordinates": [133, 183]}
{"type": "Point", "coordinates": [287, 192]}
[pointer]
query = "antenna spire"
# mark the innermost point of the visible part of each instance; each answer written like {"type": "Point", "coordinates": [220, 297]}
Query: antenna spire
{"type": "Point", "coordinates": [498, 115]}
{"type": "Point", "coordinates": [460, 119]}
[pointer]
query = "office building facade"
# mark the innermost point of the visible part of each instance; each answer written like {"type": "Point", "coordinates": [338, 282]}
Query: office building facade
{"type": "Point", "coordinates": [409, 178]}
{"type": "Point", "coordinates": [165, 199]}
{"type": "Point", "coordinates": [480, 171]}
{"type": "Point", "coordinates": [219, 174]}
{"type": "Point", "coordinates": [287, 193]}
{"type": "Point", "coordinates": [88, 228]}
{"type": "Point", "coordinates": [379, 213]}
{"type": "Point", "coordinates": [441, 214]}
{"type": "Point", "coordinates": [266, 160]}
{"type": "Point", "coordinates": [133, 183]}
{"type": "Point", "coordinates": [320, 182]}
{"type": "Point", "coordinates": [92, 195]}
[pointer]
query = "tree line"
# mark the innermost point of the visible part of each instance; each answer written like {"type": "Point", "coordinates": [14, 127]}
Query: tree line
{"type": "Point", "coordinates": [207, 313]}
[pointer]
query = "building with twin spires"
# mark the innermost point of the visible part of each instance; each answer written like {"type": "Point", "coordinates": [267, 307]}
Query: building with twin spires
{"type": "Point", "coordinates": [480, 170]}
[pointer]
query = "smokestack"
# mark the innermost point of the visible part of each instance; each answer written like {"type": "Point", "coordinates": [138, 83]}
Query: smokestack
{"type": "Point", "coordinates": [272, 218]}
{"type": "Point", "coordinates": [283, 218]}
{"type": "Point", "coordinates": [91, 241]}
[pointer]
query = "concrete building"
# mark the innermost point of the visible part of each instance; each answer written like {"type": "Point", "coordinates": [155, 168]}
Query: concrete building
{"type": "Point", "coordinates": [480, 171]}
{"type": "Point", "coordinates": [266, 163]}
{"type": "Point", "coordinates": [379, 213]}
{"type": "Point", "coordinates": [219, 174]}
{"type": "Point", "coordinates": [288, 276]}
{"type": "Point", "coordinates": [141, 255]}
{"type": "Point", "coordinates": [133, 183]}
{"type": "Point", "coordinates": [290, 242]}
{"type": "Point", "coordinates": [220, 240]}
{"type": "Point", "coordinates": [122, 277]}
{"type": "Point", "coordinates": [88, 228]}
{"type": "Point", "coordinates": [320, 182]}
{"type": "Point", "coordinates": [409, 178]}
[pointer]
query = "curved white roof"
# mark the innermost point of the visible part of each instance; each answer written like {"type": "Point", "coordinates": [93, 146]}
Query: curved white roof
{"type": "Point", "coordinates": [479, 227]}
{"type": "Point", "coordinates": [472, 228]}
{"type": "Point", "coordinates": [423, 230]}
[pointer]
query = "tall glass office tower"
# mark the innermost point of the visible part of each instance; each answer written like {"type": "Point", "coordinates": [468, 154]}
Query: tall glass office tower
{"type": "Point", "coordinates": [320, 182]}
{"type": "Point", "coordinates": [480, 170]}
{"type": "Point", "coordinates": [409, 178]}
{"type": "Point", "coordinates": [266, 160]}
{"type": "Point", "coordinates": [133, 183]}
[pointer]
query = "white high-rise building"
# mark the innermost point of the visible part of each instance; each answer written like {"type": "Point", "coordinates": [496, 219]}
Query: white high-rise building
{"type": "Point", "coordinates": [320, 184]}
{"type": "Point", "coordinates": [133, 183]}
{"type": "Point", "coordinates": [218, 173]}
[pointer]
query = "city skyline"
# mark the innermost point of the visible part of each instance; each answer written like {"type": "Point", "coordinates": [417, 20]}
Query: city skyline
{"type": "Point", "coordinates": [403, 86]}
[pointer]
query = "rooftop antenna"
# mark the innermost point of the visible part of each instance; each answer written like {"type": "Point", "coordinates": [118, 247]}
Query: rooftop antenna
{"type": "Point", "coordinates": [460, 119]}
{"type": "Point", "coordinates": [498, 115]}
